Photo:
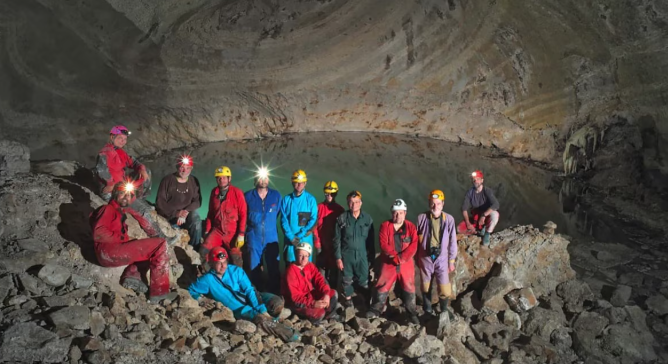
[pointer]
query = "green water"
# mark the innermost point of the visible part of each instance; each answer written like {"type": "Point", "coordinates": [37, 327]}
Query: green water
{"type": "Point", "coordinates": [382, 167]}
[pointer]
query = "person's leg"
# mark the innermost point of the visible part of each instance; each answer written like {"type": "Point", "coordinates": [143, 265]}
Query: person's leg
{"type": "Point", "coordinates": [271, 252]}
{"type": "Point", "coordinates": [333, 303]}
{"type": "Point", "coordinates": [194, 226]}
{"type": "Point", "coordinates": [347, 279]}
{"type": "Point", "coordinates": [315, 315]}
{"type": "Point", "coordinates": [362, 277]}
{"type": "Point", "coordinates": [274, 303]}
{"type": "Point", "coordinates": [426, 266]}
{"type": "Point", "coordinates": [444, 288]}
{"type": "Point", "coordinates": [407, 281]}
{"type": "Point", "coordinates": [387, 278]}
{"type": "Point", "coordinates": [492, 220]}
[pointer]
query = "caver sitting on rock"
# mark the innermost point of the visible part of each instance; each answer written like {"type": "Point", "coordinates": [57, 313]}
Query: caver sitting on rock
{"type": "Point", "coordinates": [437, 251]}
{"type": "Point", "coordinates": [229, 285]}
{"type": "Point", "coordinates": [114, 247]}
{"type": "Point", "coordinates": [305, 289]}
{"type": "Point", "coordinates": [483, 207]}
{"type": "Point", "coordinates": [398, 244]}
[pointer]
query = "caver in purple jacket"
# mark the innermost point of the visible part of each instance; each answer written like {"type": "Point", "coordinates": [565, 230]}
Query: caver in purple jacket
{"type": "Point", "coordinates": [439, 266]}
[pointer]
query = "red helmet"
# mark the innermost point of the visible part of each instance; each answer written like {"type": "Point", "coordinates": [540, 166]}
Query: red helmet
{"type": "Point", "coordinates": [477, 174]}
{"type": "Point", "coordinates": [217, 254]}
{"type": "Point", "coordinates": [185, 160]}
{"type": "Point", "coordinates": [119, 129]}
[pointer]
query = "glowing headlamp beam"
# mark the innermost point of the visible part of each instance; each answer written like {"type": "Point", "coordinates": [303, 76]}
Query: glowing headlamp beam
{"type": "Point", "coordinates": [262, 173]}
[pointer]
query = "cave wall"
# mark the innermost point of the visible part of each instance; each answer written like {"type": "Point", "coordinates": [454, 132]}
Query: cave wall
{"type": "Point", "coordinates": [518, 76]}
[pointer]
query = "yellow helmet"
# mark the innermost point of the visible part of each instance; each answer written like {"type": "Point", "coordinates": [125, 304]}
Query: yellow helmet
{"type": "Point", "coordinates": [437, 194]}
{"type": "Point", "coordinates": [299, 176]}
{"type": "Point", "coordinates": [331, 187]}
{"type": "Point", "coordinates": [222, 171]}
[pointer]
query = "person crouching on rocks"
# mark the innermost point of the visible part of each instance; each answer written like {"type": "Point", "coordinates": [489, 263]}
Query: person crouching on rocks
{"type": "Point", "coordinates": [398, 244]}
{"type": "Point", "coordinates": [114, 248]}
{"type": "Point", "coordinates": [229, 285]}
{"type": "Point", "coordinates": [483, 207]}
{"type": "Point", "coordinates": [306, 291]}
{"type": "Point", "coordinates": [437, 251]}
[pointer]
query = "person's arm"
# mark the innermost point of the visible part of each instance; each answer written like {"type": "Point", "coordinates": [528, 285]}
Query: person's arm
{"type": "Point", "coordinates": [101, 231]}
{"type": "Point", "coordinates": [466, 206]}
{"type": "Point", "coordinates": [386, 246]}
{"type": "Point", "coordinates": [132, 163]}
{"type": "Point", "coordinates": [320, 286]}
{"type": "Point", "coordinates": [452, 239]}
{"type": "Point", "coordinates": [298, 296]}
{"type": "Point", "coordinates": [316, 235]}
{"type": "Point", "coordinates": [371, 243]}
{"type": "Point", "coordinates": [249, 291]}
{"type": "Point", "coordinates": [243, 213]}
{"type": "Point", "coordinates": [196, 199]}
{"type": "Point", "coordinates": [161, 205]}
{"type": "Point", "coordinates": [211, 214]}
{"type": "Point", "coordinates": [143, 222]}
{"type": "Point", "coordinates": [285, 220]}
{"type": "Point", "coordinates": [102, 171]}
{"type": "Point", "coordinates": [313, 209]}
{"type": "Point", "coordinates": [409, 252]}
{"type": "Point", "coordinates": [199, 287]}
{"type": "Point", "coordinates": [336, 241]}
{"type": "Point", "coordinates": [494, 203]}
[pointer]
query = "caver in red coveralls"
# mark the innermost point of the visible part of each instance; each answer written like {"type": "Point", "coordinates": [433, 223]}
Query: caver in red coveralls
{"type": "Point", "coordinates": [322, 238]}
{"type": "Point", "coordinates": [302, 287]}
{"type": "Point", "coordinates": [114, 248]}
{"type": "Point", "coordinates": [110, 169]}
{"type": "Point", "coordinates": [401, 266]}
{"type": "Point", "coordinates": [225, 221]}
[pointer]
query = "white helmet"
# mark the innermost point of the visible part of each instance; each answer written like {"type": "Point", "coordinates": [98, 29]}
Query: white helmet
{"type": "Point", "coordinates": [305, 247]}
{"type": "Point", "coordinates": [399, 204]}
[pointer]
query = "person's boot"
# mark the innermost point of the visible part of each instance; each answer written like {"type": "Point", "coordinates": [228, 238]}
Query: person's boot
{"type": "Point", "coordinates": [426, 303]}
{"type": "Point", "coordinates": [134, 284]}
{"type": "Point", "coordinates": [409, 303]}
{"type": "Point", "coordinates": [378, 306]}
{"type": "Point", "coordinates": [485, 239]}
{"type": "Point", "coordinates": [443, 303]}
{"type": "Point", "coordinates": [169, 296]}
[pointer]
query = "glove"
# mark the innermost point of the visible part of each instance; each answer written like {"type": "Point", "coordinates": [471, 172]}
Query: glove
{"type": "Point", "coordinates": [181, 221]}
{"type": "Point", "coordinates": [240, 241]}
{"type": "Point", "coordinates": [295, 242]}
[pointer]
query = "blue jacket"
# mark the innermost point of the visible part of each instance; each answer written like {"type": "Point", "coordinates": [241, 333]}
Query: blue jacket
{"type": "Point", "coordinates": [261, 223]}
{"type": "Point", "coordinates": [298, 217]}
{"type": "Point", "coordinates": [238, 281]}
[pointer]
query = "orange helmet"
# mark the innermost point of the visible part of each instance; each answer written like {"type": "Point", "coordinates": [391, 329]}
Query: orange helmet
{"type": "Point", "coordinates": [437, 194]}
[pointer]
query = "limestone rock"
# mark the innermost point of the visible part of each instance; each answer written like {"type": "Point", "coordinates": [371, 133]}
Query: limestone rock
{"type": "Point", "coordinates": [222, 314]}
{"type": "Point", "coordinates": [621, 296]}
{"type": "Point", "coordinates": [543, 322]}
{"type": "Point", "coordinates": [56, 168]}
{"type": "Point", "coordinates": [27, 342]}
{"type": "Point", "coordinates": [80, 281]}
{"type": "Point", "coordinates": [658, 304]}
{"type": "Point", "coordinates": [33, 245]}
{"type": "Point", "coordinates": [512, 319]}
{"type": "Point", "coordinates": [54, 275]}
{"type": "Point", "coordinates": [244, 327]}
{"type": "Point", "coordinates": [422, 344]}
{"type": "Point", "coordinates": [574, 293]}
{"type": "Point", "coordinates": [494, 292]}
{"type": "Point", "coordinates": [75, 317]}
{"type": "Point", "coordinates": [6, 284]}
{"type": "Point", "coordinates": [496, 336]}
{"type": "Point", "coordinates": [521, 300]}
{"type": "Point", "coordinates": [97, 323]}
{"type": "Point", "coordinates": [14, 158]}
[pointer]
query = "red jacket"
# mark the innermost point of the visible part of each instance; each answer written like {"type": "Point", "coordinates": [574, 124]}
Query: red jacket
{"type": "Point", "coordinates": [409, 243]}
{"type": "Point", "coordinates": [111, 164]}
{"type": "Point", "coordinates": [324, 233]}
{"type": "Point", "coordinates": [108, 224]}
{"type": "Point", "coordinates": [228, 216]}
{"type": "Point", "coordinates": [302, 287]}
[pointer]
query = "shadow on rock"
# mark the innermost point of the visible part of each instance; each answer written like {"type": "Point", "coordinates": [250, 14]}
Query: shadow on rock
{"type": "Point", "coordinates": [74, 216]}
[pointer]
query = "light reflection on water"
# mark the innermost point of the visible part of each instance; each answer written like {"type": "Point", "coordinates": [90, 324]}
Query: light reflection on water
{"type": "Point", "coordinates": [382, 167]}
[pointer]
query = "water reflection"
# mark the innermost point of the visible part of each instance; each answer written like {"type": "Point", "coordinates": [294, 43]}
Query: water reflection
{"type": "Point", "coordinates": [383, 167]}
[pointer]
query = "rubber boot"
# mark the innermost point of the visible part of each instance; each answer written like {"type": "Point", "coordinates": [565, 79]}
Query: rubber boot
{"type": "Point", "coordinates": [443, 303]}
{"type": "Point", "coordinates": [409, 303]}
{"type": "Point", "coordinates": [426, 303]}
{"type": "Point", "coordinates": [169, 296]}
{"type": "Point", "coordinates": [378, 306]}
{"type": "Point", "coordinates": [485, 239]}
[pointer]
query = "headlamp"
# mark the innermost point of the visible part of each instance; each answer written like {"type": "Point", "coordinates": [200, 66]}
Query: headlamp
{"type": "Point", "coordinates": [435, 196]}
{"type": "Point", "coordinates": [262, 173]}
{"type": "Point", "coordinates": [186, 160]}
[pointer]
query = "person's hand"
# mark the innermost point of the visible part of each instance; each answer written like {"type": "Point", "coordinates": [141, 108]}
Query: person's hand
{"type": "Point", "coordinates": [295, 242]}
{"type": "Point", "coordinates": [320, 304]}
{"type": "Point", "coordinates": [182, 213]}
{"type": "Point", "coordinates": [207, 304]}
{"type": "Point", "coordinates": [108, 189]}
{"type": "Point", "coordinates": [339, 264]}
{"type": "Point", "coordinates": [240, 241]}
{"type": "Point", "coordinates": [470, 227]}
{"type": "Point", "coordinates": [144, 175]}
{"type": "Point", "coordinates": [481, 220]}
{"type": "Point", "coordinates": [326, 300]}
{"type": "Point", "coordinates": [451, 267]}
{"type": "Point", "coordinates": [180, 221]}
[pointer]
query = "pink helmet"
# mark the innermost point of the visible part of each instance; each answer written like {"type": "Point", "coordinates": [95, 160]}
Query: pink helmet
{"type": "Point", "coordinates": [119, 129]}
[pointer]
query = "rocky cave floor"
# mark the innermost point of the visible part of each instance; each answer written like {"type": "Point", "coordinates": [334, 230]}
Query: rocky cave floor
{"type": "Point", "coordinates": [519, 300]}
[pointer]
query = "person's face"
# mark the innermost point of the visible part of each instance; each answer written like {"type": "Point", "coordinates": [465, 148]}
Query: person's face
{"type": "Point", "coordinates": [398, 216]}
{"type": "Point", "coordinates": [223, 181]}
{"type": "Point", "coordinates": [328, 197]}
{"type": "Point", "coordinates": [262, 183]}
{"type": "Point", "coordinates": [355, 204]}
{"type": "Point", "coordinates": [124, 198]}
{"type": "Point", "coordinates": [184, 170]}
{"type": "Point", "coordinates": [436, 206]}
{"type": "Point", "coordinates": [220, 267]}
{"type": "Point", "coordinates": [299, 186]}
{"type": "Point", "coordinates": [119, 140]}
{"type": "Point", "coordinates": [302, 258]}
{"type": "Point", "coordinates": [477, 181]}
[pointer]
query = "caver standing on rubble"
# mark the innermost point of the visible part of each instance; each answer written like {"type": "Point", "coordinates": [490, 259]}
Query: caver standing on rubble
{"type": "Point", "coordinates": [398, 245]}
{"type": "Point", "coordinates": [262, 233]}
{"type": "Point", "coordinates": [114, 248]}
{"type": "Point", "coordinates": [229, 285]}
{"type": "Point", "coordinates": [328, 212]}
{"type": "Point", "coordinates": [354, 247]}
{"type": "Point", "coordinates": [226, 220]}
{"type": "Point", "coordinates": [306, 291]}
{"type": "Point", "coordinates": [437, 251]}
{"type": "Point", "coordinates": [179, 198]}
{"type": "Point", "coordinates": [112, 161]}
{"type": "Point", "coordinates": [299, 213]}
{"type": "Point", "coordinates": [480, 210]}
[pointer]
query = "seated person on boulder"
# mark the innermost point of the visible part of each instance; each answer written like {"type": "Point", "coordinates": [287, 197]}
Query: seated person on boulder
{"type": "Point", "coordinates": [437, 251]}
{"type": "Point", "coordinates": [398, 245]}
{"type": "Point", "coordinates": [114, 248]}
{"type": "Point", "coordinates": [112, 161]}
{"type": "Point", "coordinates": [229, 285]}
{"type": "Point", "coordinates": [482, 206]}
{"type": "Point", "coordinates": [179, 198]}
{"type": "Point", "coordinates": [305, 289]}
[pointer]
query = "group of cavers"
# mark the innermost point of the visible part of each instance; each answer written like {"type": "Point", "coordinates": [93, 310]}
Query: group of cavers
{"type": "Point", "coordinates": [324, 245]}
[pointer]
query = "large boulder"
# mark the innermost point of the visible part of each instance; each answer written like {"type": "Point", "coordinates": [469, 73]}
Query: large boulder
{"type": "Point", "coordinates": [519, 257]}
{"type": "Point", "coordinates": [27, 342]}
